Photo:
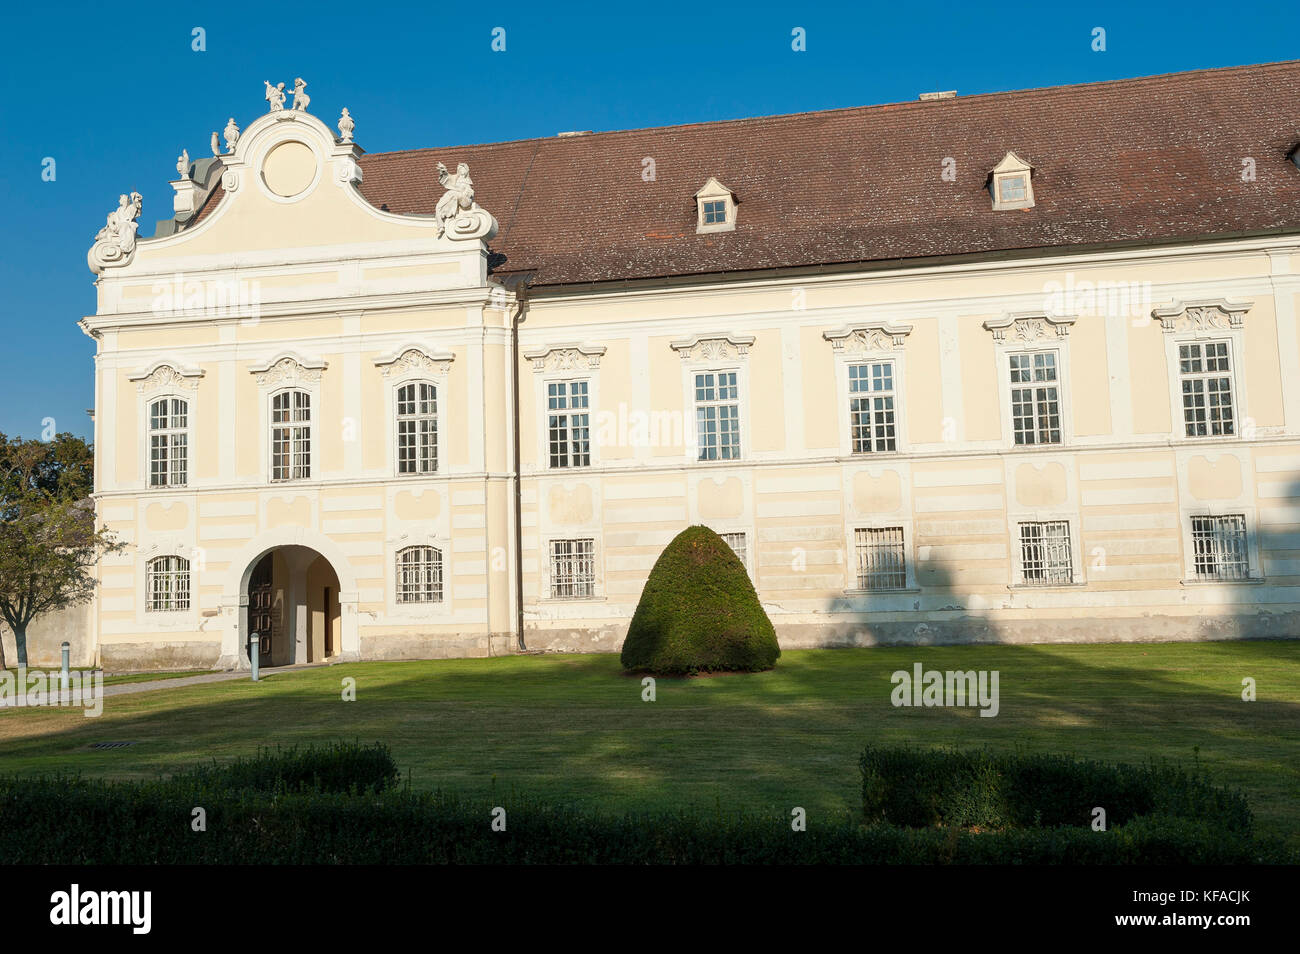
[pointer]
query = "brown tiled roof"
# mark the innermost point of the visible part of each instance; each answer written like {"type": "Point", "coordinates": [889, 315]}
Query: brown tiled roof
{"type": "Point", "coordinates": [1128, 161]}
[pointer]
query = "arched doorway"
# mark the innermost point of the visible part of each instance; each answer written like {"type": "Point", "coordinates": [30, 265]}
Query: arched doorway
{"type": "Point", "coordinates": [292, 600]}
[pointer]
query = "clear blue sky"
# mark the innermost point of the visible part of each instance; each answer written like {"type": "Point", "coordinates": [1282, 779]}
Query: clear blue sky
{"type": "Point", "coordinates": [114, 91]}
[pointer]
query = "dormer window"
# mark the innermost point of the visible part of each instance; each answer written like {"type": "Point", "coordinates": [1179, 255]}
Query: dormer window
{"type": "Point", "coordinates": [1012, 186]}
{"type": "Point", "coordinates": [716, 205]}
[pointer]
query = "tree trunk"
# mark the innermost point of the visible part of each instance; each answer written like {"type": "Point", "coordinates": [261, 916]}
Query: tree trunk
{"type": "Point", "coordinates": [20, 640]}
{"type": "Point", "coordinates": [3, 665]}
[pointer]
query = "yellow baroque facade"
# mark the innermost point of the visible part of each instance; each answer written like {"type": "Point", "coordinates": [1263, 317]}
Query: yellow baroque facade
{"type": "Point", "coordinates": [361, 432]}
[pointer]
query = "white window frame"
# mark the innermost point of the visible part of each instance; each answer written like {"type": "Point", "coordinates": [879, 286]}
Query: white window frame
{"type": "Point", "coordinates": [853, 567]}
{"type": "Point", "coordinates": [549, 583]}
{"type": "Point", "coordinates": [1179, 413]}
{"type": "Point", "coordinates": [696, 405]}
{"type": "Point", "coordinates": [1012, 167]}
{"type": "Point", "coordinates": [313, 458]}
{"type": "Point", "coordinates": [567, 382]}
{"type": "Point", "coordinates": [726, 529]}
{"type": "Point", "coordinates": [438, 559]}
{"type": "Point", "coordinates": [1031, 333]}
{"type": "Point", "coordinates": [1033, 385]}
{"type": "Point", "coordinates": [1071, 520]}
{"type": "Point", "coordinates": [1254, 566]}
{"type": "Point", "coordinates": [397, 419]}
{"type": "Point", "coordinates": [715, 191]}
{"type": "Point", "coordinates": [1201, 322]}
{"type": "Point", "coordinates": [870, 343]}
{"type": "Point", "coordinates": [171, 432]}
{"type": "Point", "coordinates": [183, 570]}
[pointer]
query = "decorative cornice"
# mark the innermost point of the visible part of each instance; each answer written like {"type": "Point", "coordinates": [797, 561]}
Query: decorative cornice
{"type": "Point", "coordinates": [566, 357]}
{"type": "Point", "coordinates": [1029, 326]}
{"type": "Point", "coordinates": [414, 360]}
{"type": "Point", "coordinates": [288, 369]}
{"type": "Point", "coordinates": [1208, 315]}
{"type": "Point", "coordinates": [873, 336]}
{"type": "Point", "coordinates": [163, 376]}
{"type": "Point", "coordinates": [713, 347]}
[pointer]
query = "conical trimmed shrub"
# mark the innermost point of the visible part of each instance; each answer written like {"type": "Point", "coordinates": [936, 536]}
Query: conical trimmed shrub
{"type": "Point", "coordinates": [699, 612]}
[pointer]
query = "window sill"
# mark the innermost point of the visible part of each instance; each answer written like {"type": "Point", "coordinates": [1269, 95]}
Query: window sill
{"type": "Point", "coordinates": [1248, 581]}
{"type": "Point", "coordinates": [1031, 587]}
{"type": "Point", "coordinates": [571, 599]}
{"type": "Point", "coordinates": [904, 591]}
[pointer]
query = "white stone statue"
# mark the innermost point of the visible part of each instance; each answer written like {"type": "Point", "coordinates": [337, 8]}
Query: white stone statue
{"type": "Point", "coordinates": [346, 125]}
{"type": "Point", "coordinates": [231, 133]}
{"type": "Point", "coordinates": [216, 144]}
{"type": "Point", "coordinates": [115, 243]}
{"type": "Point", "coordinates": [300, 98]}
{"type": "Point", "coordinates": [275, 95]}
{"type": "Point", "coordinates": [183, 163]}
{"type": "Point", "coordinates": [459, 216]}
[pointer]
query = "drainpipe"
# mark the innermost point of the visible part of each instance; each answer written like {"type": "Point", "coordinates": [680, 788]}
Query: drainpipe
{"type": "Point", "coordinates": [521, 307]}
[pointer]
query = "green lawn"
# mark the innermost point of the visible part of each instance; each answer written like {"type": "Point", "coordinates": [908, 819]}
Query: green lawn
{"type": "Point", "coordinates": [573, 728]}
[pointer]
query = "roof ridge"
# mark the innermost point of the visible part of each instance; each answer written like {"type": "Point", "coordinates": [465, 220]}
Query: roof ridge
{"type": "Point", "coordinates": [912, 104]}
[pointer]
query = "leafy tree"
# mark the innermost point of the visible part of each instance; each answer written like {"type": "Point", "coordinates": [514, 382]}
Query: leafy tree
{"type": "Point", "coordinates": [699, 612]}
{"type": "Point", "coordinates": [49, 543]}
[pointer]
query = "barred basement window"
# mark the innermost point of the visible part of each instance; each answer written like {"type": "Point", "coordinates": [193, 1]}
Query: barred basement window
{"type": "Point", "coordinates": [167, 584]}
{"type": "Point", "coordinates": [717, 415]}
{"type": "Point", "coordinates": [168, 442]}
{"type": "Point", "coordinates": [737, 543]}
{"type": "Point", "coordinates": [291, 436]}
{"type": "Point", "coordinates": [1045, 556]}
{"type": "Point", "coordinates": [1219, 547]}
{"type": "Point", "coordinates": [568, 423]}
{"type": "Point", "coordinates": [1206, 372]}
{"type": "Point", "coordinates": [417, 428]}
{"type": "Point", "coordinates": [419, 575]}
{"type": "Point", "coordinates": [882, 564]}
{"type": "Point", "coordinates": [1035, 400]}
{"type": "Point", "coordinates": [573, 568]}
{"type": "Point", "coordinates": [871, 407]}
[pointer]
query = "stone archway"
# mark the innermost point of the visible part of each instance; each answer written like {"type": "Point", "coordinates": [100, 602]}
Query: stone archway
{"type": "Point", "coordinates": [311, 606]}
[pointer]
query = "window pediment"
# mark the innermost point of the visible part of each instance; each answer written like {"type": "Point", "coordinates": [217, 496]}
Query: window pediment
{"type": "Point", "coordinates": [287, 370]}
{"type": "Point", "coordinates": [1021, 328]}
{"type": "Point", "coordinates": [713, 347]}
{"type": "Point", "coordinates": [566, 357]}
{"type": "Point", "coordinates": [414, 360]}
{"type": "Point", "coordinates": [1200, 316]}
{"type": "Point", "coordinates": [868, 338]}
{"type": "Point", "coordinates": [164, 377]}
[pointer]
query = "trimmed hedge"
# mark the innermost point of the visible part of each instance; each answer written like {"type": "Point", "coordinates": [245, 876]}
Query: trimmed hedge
{"type": "Point", "coordinates": [919, 788]}
{"type": "Point", "coordinates": [345, 767]}
{"type": "Point", "coordinates": [699, 613]}
{"type": "Point", "coordinates": [309, 814]}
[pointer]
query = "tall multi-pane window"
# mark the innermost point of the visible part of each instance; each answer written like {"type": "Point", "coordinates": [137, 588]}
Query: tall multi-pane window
{"type": "Point", "coordinates": [871, 407]}
{"type": "Point", "coordinates": [717, 415]}
{"type": "Point", "coordinates": [568, 423]}
{"type": "Point", "coordinates": [882, 562]}
{"type": "Point", "coordinates": [417, 428]}
{"type": "Point", "coordinates": [1035, 398]}
{"type": "Point", "coordinates": [291, 435]}
{"type": "Point", "coordinates": [1206, 372]}
{"type": "Point", "coordinates": [1219, 547]}
{"type": "Point", "coordinates": [573, 568]}
{"type": "Point", "coordinates": [1045, 556]}
{"type": "Point", "coordinates": [167, 584]}
{"type": "Point", "coordinates": [168, 442]}
{"type": "Point", "coordinates": [419, 575]}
